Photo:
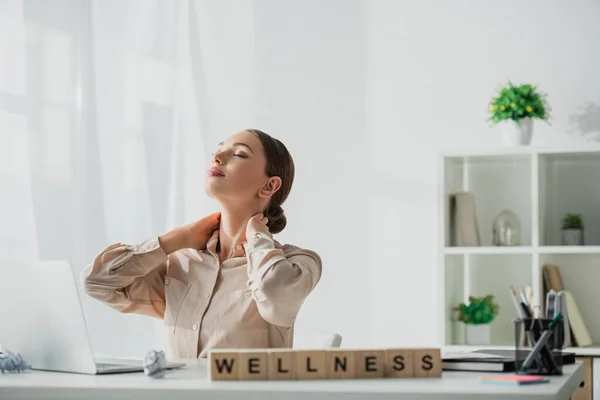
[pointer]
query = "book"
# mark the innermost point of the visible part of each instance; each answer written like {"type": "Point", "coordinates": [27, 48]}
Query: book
{"type": "Point", "coordinates": [493, 360]}
{"type": "Point", "coordinates": [479, 365]}
{"type": "Point", "coordinates": [514, 379]}
{"type": "Point", "coordinates": [579, 334]}
{"type": "Point", "coordinates": [578, 327]}
{"type": "Point", "coordinates": [465, 226]}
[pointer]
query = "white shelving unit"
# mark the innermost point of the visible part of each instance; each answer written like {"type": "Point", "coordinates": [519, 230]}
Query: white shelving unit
{"type": "Point", "coordinates": [540, 186]}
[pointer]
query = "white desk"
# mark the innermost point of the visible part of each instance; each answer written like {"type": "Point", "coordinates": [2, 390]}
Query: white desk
{"type": "Point", "coordinates": [191, 383]}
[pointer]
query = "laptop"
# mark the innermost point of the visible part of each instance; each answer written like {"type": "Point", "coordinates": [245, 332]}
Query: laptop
{"type": "Point", "coordinates": [42, 319]}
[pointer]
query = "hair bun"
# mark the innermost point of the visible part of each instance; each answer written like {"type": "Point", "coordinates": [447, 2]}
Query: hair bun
{"type": "Point", "coordinates": [275, 213]}
{"type": "Point", "coordinates": [276, 219]}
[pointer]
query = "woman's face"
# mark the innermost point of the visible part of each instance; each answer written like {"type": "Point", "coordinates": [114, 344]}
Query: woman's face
{"type": "Point", "coordinates": [237, 169]}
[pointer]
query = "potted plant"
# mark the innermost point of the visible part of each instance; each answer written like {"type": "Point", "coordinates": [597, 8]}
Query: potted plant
{"type": "Point", "coordinates": [477, 316]}
{"type": "Point", "coordinates": [572, 230]}
{"type": "Point", "coordinates": [516, 107]}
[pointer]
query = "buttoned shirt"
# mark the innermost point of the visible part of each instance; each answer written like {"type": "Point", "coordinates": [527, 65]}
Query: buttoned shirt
{"type": "Point", "coordinates": [250, 300]}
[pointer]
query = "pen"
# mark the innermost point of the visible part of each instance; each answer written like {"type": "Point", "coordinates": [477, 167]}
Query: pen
{"type": "Point", "coordinates": [525, 302]}
{"type": "Point", "coordinates": [523, 313]}
{"type": "Point", "coordinates": [529, 294]}
{"type": "Point", "coordinates": [516, 302]}
{"type": "Point", "coordinates": [541, 342]}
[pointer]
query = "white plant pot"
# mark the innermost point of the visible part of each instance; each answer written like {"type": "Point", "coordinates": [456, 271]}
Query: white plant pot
{"type": "Point", "coordinates": [517, 133]}
{"type": "Point", "coordinates": [572, 237]}
{"type": "Point", "coordinates": [479, 334]}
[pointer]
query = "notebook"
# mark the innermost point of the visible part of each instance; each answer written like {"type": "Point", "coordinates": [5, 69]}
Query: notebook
{"type": "Point", "coordinates": [491, 360]}
{"type": "Point", "coordinates": [514, 380]}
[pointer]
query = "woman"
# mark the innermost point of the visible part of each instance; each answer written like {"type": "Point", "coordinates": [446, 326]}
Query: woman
{"type": "Point", "coordinates": [223, 281]}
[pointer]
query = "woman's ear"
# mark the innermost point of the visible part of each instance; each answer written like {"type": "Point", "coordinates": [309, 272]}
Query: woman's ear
{"type": "Point", "coordinates": [270, 187]}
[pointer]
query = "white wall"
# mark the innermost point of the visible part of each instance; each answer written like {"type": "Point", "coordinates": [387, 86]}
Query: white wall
{"type": "Point", "coordinates": [310, 92]}
{"type": "Point", "coordinates": [365, 94]}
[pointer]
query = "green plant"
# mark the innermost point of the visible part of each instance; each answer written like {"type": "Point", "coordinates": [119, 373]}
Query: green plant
{"type": "Point", "coordinates": [517, 102]}
{"type": "Point", "coordinates": [572, 221]}
{"type": "Point", "coordinates": [480, 310]}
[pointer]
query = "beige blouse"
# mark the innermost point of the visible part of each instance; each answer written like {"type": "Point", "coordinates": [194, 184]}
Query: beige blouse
{"type": "Point", "coordinates": [249, 301]}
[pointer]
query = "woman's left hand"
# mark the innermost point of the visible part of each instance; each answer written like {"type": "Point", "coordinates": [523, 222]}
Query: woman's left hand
{"type": "Point", "coordinates": [256, 224]}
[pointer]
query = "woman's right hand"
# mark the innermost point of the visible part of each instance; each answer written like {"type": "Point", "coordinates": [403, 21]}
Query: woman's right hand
{"type": "Point", "coordinates": [191, 236]}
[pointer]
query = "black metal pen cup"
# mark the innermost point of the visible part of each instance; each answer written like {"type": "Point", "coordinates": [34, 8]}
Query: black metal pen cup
{"type": "Point", "coordinates": [538, 346]}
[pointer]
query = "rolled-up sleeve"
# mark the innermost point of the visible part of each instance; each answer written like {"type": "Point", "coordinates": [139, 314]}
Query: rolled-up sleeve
{"type": "Point", "coordinates": [281, 281]}
{"type": "Point", "coordinates": [129, 278]}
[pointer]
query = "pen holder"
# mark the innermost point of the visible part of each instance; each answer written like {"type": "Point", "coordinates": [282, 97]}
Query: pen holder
{"type": "Point", "coordinates": [538, 349]}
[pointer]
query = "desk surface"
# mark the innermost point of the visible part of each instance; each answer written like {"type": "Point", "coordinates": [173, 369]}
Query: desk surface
{"type": "Point", "coordinates": [191, 382]}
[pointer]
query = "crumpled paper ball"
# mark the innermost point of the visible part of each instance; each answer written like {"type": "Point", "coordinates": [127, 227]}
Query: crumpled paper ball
{"type": "Point", "coordinates": [155, 364]}
{"type": "Point", "coordinates": [11, 362]}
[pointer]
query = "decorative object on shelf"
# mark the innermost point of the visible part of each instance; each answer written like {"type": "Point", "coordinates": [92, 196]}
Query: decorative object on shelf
{"type": "Point", "coordinates": [477, 316]}
{"type": "Point", "coordinates": [506, 229]}
{"type": "Point", "coordinates": [515, 107]}
{"type": "Point", "coordinates": [572, 230]}
{"type": "Point", "coordinates": [155, 364]}
{"type": "Point", "coordinates": [11, 362]}
{"type": "Point", "coordinates": [463, 220]}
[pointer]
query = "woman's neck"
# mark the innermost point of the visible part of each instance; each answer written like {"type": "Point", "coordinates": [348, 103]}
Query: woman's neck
{"type": "Point", "coordinates": [232, 229]}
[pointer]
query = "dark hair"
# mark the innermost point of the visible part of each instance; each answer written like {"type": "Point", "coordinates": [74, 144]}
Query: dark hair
{"type": "Point", "coordinates": [281, 164]}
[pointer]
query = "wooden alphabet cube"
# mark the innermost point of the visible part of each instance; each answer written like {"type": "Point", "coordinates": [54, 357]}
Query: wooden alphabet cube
{"type": "Point", "coordinates": [369, 363]}
{"type": "Point", "coordinates": [253, 364]}
{"type": "Point", "coordinates": [399, 363]}
{"type": "Point", "coordinates": [427, 363]}
{"type": "Point", "coordinates": [290, 364]}
{"type": "Point", "coordinates": [340, 364]}
{"type": "Point", "coordinates": [281, 364]}
{"type": "Point", "coordinates": [223, 365]}
{"type": "Point", "coordinates": [310, 364]}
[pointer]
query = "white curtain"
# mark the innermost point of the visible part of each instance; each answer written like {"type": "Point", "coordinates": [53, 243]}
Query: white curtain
{"type": "Point", "coordinates": [101, 137]}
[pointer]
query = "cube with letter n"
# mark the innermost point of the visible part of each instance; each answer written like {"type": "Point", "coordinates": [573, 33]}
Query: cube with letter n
{"type": "Point", "coordinates": [340, 364]}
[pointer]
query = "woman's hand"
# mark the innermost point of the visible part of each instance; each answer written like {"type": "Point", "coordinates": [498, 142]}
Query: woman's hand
{"type": "Point", "coordinates": [256, 224]}
{"type": "Point", "coordinates": [200, 232]}
{"type": "Point", "coordinates": [191, 236]}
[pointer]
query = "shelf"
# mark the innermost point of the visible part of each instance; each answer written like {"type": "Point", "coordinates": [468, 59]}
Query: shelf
{"type": "Point", "coordinates": [480, 275]}
{"type": "Point", "coordinates": [593, 350]}
{"type": "Point", "coordinates": [491, 250]}
{"type": "Point", "coordinates": [524, 150]}
{"type": "Point", "coordinates": [540, 186]}
{"type": "Point", "coordinates": [568, 185]}
{"type": "Point", "coordinates": [488, 250]}
{"type": "Point", "coordinates": [569, 250]}
{"type": "Point", "coordinates": [496, 183]}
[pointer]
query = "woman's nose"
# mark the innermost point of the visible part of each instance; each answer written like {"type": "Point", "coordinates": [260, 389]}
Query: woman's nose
{"type": "Point", "coordinates": [217, 158]}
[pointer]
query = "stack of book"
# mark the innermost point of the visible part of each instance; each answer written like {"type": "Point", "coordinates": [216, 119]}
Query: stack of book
{"type": "Point", "coordinates": [493, 360]}
{"type": "Point", "coordinates": [579, 334]}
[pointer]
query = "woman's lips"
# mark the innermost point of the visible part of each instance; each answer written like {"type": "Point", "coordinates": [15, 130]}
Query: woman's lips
{"type": "Point", "coordinates": [215, 172]}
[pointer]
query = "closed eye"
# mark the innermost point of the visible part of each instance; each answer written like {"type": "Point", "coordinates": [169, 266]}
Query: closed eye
{"type": "Point", "coordinates": [235, 155]}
